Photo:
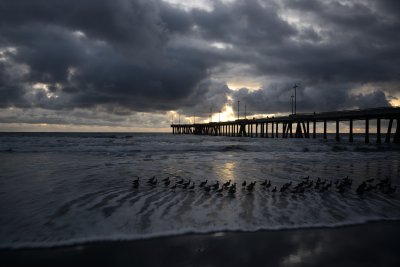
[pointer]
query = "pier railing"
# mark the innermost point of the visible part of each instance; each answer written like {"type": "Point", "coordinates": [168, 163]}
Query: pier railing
{"type": "Point", "coordinates": [298, 125]}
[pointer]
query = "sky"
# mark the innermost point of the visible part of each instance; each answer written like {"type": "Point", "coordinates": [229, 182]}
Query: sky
{"type": "Point", "coordinates": [138, 65]}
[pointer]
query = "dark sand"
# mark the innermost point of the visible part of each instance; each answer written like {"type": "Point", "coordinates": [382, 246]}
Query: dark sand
{"type": "Point", "coordinates": [372, 244]}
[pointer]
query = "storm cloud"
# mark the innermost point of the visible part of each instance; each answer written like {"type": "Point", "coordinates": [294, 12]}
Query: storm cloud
{"type": "Point", "coordinates": [157, 56]}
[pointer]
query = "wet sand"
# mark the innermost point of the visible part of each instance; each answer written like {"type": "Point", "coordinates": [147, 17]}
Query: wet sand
{"type": "Point", "coordinates": [372, 244]}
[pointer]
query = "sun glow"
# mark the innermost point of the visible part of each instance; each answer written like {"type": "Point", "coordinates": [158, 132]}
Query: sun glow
{"type": "Point", "coordinates": [236, 85]}
{"type": "Point", "coordinates": [226, 114]}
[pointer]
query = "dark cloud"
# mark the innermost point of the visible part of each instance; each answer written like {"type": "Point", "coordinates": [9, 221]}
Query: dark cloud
{"type": "Point", "coordinates": [277, 98]}
{"type": "Point", "coordinates": [151, 56]}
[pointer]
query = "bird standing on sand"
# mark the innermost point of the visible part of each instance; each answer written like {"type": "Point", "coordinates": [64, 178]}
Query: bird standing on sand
{"type": "Point", "coordinates": [361, 188]}
{"type": "Point", "coordinates": [225, 185]}
{"type": "Point", "coordinates": [244, 183]}
{"type": "Point", "coordinates": [232, 189]}
{"type": "Point", "coordinates": [250, 187]}
{"type": "Point", "coordinates": [216, 185]}
{"type": "Point", "coordinates": [203, 183]}
{"type": "Point", "coordinates": [151, 180]}
{"type": "Point", "coordinates": [135, 183]}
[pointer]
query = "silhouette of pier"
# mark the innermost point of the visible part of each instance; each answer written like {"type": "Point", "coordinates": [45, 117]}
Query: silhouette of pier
{"type": "Point", "coordinates": [301, 125]}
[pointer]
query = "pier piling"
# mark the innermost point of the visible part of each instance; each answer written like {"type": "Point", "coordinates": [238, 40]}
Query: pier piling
{"type": "Point", "coordinates": [351, 131]}
{"type": "Point", "coordinates": [366, 130]}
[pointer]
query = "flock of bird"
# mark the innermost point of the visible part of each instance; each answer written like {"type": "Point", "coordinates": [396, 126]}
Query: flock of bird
{"type": "Point", "coordinates": [306, 184]}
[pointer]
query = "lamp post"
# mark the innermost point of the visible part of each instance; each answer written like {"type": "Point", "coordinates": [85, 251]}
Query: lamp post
{"type": "Point", "coordinates": [219, 116]}
{"type": "Point", "coordinates": [292, 103]}
{"type": "Point", "coordinates": [245, 115]}
{"type": "Point", "coordinates": [295, 98]}
{"type": "Point", "coordinates": [238, 109]}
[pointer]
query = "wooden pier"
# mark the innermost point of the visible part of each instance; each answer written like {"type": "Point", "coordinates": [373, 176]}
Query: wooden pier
{"type": "Point", "coordinates": [298, 125]}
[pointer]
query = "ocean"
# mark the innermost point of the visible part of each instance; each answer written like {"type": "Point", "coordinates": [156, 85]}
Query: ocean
{"type": "Point", "coordinates": [72, 188]}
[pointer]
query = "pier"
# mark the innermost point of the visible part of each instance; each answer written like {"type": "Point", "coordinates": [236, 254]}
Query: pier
{"type": "Point", "coordinates": [302, 125]}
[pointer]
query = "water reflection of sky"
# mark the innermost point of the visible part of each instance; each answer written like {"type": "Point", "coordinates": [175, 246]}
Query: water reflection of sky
{"type": "Point", "coordinates": [226, 172]}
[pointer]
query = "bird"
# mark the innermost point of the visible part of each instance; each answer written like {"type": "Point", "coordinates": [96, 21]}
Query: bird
{"type": "Point", "coordinates": [232, 189]}
{"type": "Point", "coordinates": [203, 183]}
{"type": "Point", "coordinates": [347, 180]}
{"type": "Point", "coordinates": [341, 189]}
{"type": "Point", "coordinates": [135, 183]}
{"type": "Point", "coordinates": [298, 189]}
{"type": "Point", "coordinates": [185, 185]}
{"type": "Point", "coordinates": [264, 183]}
{"type": "Point", "coordinates": [285, 186]}
{"type": "Point", "coordinates": [167, 182]}
{"type": "Point", "coordinates": [151, 180]}
{"type": "Point", "coordinates": [250, 187]}
{"type": "Point", "coordinates": [216, 185]}
{"type": "Point", "coordinates": [220, 189]}
{"type": "Point", "coordinates": [244, 183]}
{"type": "Point", "coordinates": [180, 181]}
{"type": "Point", "coordinates": [192, 186]}
{"type": "Point", "coordinates": [207, 188]}
{"type": "Point", "coordinates": [165, 179]}
{"type": "Point", "coordinates": [225, 185]}
{"type": "Point", "coordinates": [361, 188]}
{"type": "Point", "coordinates": [174, 186]}
{"type": "Point", "coordinates": [274, 190]}
{"type": "Point", "coordinates": [268, 184]}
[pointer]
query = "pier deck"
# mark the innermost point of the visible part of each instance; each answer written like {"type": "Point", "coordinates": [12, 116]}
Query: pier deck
{"type": "Point", "coordinates": [298, 125]}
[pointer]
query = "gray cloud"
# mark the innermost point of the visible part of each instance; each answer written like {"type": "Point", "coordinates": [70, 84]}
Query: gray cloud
{"type": "Point", "coordinates": [151, 56]}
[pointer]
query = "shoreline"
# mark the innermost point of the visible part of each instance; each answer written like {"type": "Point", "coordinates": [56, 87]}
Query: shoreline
{"type": "Point", "coordinates": [371, 244]}
{"type": "Point", "coordinates": [94, 241]}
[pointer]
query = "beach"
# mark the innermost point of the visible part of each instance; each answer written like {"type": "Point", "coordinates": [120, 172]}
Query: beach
{"type": "Point", "coordinates": [371, 244]}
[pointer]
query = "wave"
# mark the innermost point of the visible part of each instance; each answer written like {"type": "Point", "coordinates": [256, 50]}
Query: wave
{"type": "Point", "coordinates": [183, 231]}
